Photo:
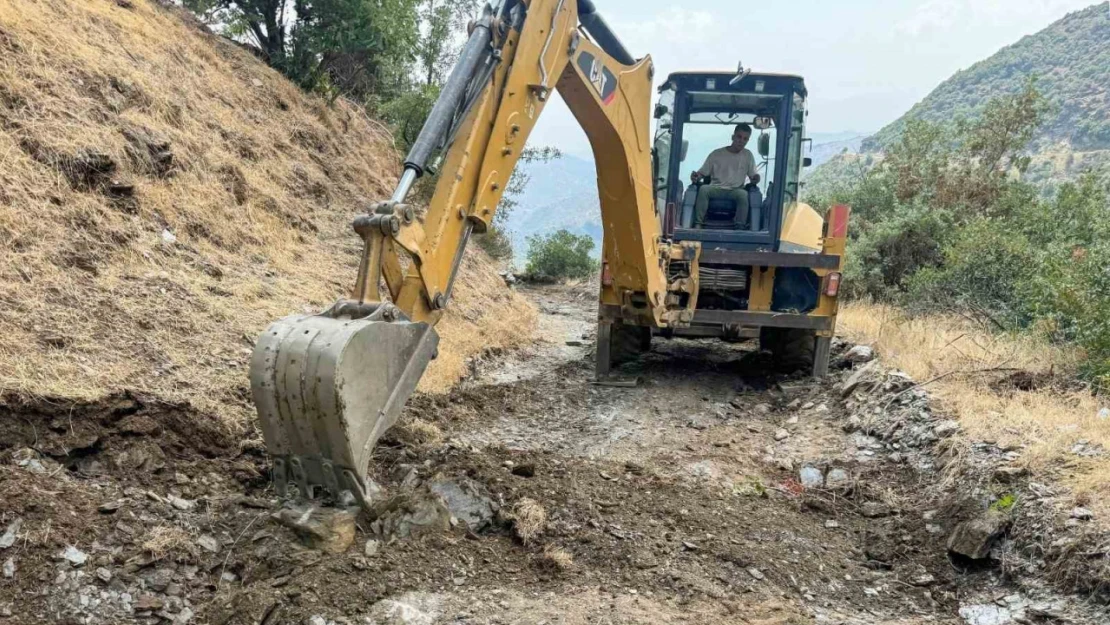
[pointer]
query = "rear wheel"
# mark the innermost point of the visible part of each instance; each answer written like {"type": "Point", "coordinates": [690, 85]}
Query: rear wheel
{"type": "Point", "coordinates": [792, 349]}
{"type": "Point", "coordinates": [627, 342]}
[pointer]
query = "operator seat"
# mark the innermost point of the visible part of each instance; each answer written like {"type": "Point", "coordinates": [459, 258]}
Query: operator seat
{"type": "Point", "coordinates": [722, 210]}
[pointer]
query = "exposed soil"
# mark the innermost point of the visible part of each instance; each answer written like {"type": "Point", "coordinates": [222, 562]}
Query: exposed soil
{"type": "Point", "coordinates": [677, 501]}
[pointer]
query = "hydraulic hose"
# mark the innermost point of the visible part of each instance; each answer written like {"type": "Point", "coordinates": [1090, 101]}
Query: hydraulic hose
{"type": "Point", "coordinates": [595, 25]}
{"type": "Point", "coordinates": [439, 120]}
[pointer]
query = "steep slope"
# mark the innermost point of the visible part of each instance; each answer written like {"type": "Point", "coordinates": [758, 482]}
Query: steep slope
{"type": "Point", "coordinates": [164, 195]}
{"type": "Point", "coordinates": [1071, 60]}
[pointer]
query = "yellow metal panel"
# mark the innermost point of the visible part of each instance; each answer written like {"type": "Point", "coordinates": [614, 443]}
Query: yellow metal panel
{"type": "Point", "coordinates": [762, 284]}
{"type": "Point", "coordinates": [618, 128]}
{"type": "Point", "coordinates": [802, 228]}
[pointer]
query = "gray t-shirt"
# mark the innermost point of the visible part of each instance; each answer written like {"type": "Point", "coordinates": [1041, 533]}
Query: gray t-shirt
{"type": "Point", "coordinates": [727, 168]}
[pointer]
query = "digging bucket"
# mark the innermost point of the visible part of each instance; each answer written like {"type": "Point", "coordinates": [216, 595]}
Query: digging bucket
{"type": "Point", "coordinates": [326, 389]}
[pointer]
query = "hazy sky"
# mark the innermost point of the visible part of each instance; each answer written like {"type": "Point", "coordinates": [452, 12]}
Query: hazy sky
{"type": "Point", "coordinates": [865, 62]}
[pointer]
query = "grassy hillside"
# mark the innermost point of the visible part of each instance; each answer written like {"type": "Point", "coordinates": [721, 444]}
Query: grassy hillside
{"type": "Point", "coordinates": [1071, 60]}
{"type": "Point", "coordinates": [164, 196]}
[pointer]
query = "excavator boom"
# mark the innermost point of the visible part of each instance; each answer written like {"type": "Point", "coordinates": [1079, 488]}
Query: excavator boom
{"type": "Point", "coordinates": [328, 386]}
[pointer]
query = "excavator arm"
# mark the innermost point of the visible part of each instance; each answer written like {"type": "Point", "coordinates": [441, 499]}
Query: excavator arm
{"type": "Point", "coordinates": [328, 386]}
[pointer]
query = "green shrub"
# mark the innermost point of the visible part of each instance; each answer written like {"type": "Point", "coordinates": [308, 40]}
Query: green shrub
{"type": "Point", "coordinates": [885, 255]}
{"type": "Point", "coordinates": [945, 223]}
{"type": "Point", "coordinates": [560, 255]}
{"type": "Point", "coordinates": [985, 270]}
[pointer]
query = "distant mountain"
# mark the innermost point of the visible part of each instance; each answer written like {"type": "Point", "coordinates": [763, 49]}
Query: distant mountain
{"type": "Point", "coordinates": [1071, 60]}
{"type": "Point", "coordinates": [561, 193]}
{"type": "Point", "coordinates": [824, 149]}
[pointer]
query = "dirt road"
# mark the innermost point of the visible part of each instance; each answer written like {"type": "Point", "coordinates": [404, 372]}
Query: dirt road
{"type": "Point", "coordinates": [709, 493]}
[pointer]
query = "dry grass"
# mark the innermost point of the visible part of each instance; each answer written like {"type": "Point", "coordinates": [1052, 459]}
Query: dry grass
{"type": "Point", "coordinates": [1047, 422]}
{"type": "Point", "coordinates": [484, 315]}
{"type": "Point", "coordinates": [163, 539]}
{"type": "Point", "coordinates": [556, 558]}
{"type": "Point", "coordinates": [529, 519]}
{"type": "Point", "coordinates": [259, 193]}
{"type": "Point", "coordinates": [417, 431]}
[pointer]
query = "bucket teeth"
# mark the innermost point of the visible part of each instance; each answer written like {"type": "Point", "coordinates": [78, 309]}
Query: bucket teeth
{"type": "Point", "coordinates": [326, 389]}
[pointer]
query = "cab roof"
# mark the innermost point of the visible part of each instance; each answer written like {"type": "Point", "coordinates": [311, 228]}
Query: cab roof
{"type": "Point", "coordinates": [776, 82]}
{"type": "Point", "coordinates": [730, 74]}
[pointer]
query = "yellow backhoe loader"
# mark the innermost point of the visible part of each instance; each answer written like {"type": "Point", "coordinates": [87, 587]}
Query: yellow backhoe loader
{"type": "Point", "coordinates": [677, 259]}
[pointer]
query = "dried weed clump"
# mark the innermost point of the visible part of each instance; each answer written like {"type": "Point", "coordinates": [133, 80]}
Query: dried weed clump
{"type": "Point", "coordinates": [529, 519]}
{"type": "Point", "coordinates": [164, 539]}
{"type": "Point", "coordinates": [963, 365]}
{"type": "Point", "coordinates": [417, 431]}
{"type": "Point", "coordinates": [164, 196]}
{"type": "Point", "coordinates": [557, 558]}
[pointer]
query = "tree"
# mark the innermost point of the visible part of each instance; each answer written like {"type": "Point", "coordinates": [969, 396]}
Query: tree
{"type": "Point", "coordinates": [265, 23]}
{"type": "Point", "coordinates": [442, 22]}
{"type": "Point", "coordinates": [354, 48]}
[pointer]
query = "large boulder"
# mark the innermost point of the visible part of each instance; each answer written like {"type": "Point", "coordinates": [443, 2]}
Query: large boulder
{"type": "Point", "coordinates": [974, 538]}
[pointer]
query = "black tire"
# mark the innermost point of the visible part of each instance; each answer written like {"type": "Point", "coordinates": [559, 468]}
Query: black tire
{"type": "Point", "coordinates": [627, 342]}
{"type": "Point", "coordinates": [792, 349]}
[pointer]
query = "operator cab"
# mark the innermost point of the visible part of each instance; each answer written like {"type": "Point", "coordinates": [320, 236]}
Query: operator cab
{"type": "Point", "coordinates": [698, 113]}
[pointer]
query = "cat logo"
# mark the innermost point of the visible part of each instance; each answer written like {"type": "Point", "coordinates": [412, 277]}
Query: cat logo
{"type": "Point", "coordinates": [598, 75]}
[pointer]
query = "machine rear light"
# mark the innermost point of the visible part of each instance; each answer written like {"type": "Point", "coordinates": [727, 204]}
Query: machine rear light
{"type": "Point", "coordinates": [832, 285]}
{"type": "Point", "coordinates": [606, 277]}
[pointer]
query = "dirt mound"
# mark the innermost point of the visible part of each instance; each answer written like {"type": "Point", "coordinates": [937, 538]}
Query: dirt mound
{"type": "Point", "coordinates": [165, 195]}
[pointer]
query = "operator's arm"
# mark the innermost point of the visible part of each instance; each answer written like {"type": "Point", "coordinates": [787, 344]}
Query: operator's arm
{"type": "Point", "coordinates": [706, 169]}
{"type": "Point", "coordinates": [753, 171]}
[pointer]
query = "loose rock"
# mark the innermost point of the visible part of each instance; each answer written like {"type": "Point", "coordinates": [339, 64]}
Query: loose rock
{"type": "Point", "coordinates": [781, 434]}
{"type": "Point", "coordinates": [209, 543]}
{"type": "Point", "coordinates": [9, 567]}
{"type": "Point", "coordinates": [1083, 514]}
{"type": "Point", "coordinates": [74, 556]}
{"type": "Point", "coordinates": [811, 477]}
{"type": "Point", "coordinates": [924, 580]}
{"type": "Point", "coordinates": [410, 513]}
{"type": "Point", "coordinates": [466, 501]}
{"type": "Point", "coordinates": [327, 529]}
{"type": "Point", "coordinates": [946, 428]}
{"type": "Point", "coordinates": [859, 355]}
{"type": "Point", "coordinates": [975, 537]}
{"type": "Point", "coordinates": [8, 539]}
{"type": "Point", "coordinates": [875, 509]}
{"type": "Point", "coordinates": [853, 382]}
{"type": "Point", "coordinates": [109, 507]}
{"type": "Point", "coordinates": [837, 479]}
{"type": "Point", "coordinates": [371, 548]}
{"type": "Point", "coordinates": [184, 505]}
{"type": "Point", "coordinates": [986, 614]}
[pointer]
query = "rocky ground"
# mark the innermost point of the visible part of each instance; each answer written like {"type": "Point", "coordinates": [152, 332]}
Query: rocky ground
{"type": "Point", "coordinates": [711, 492]}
